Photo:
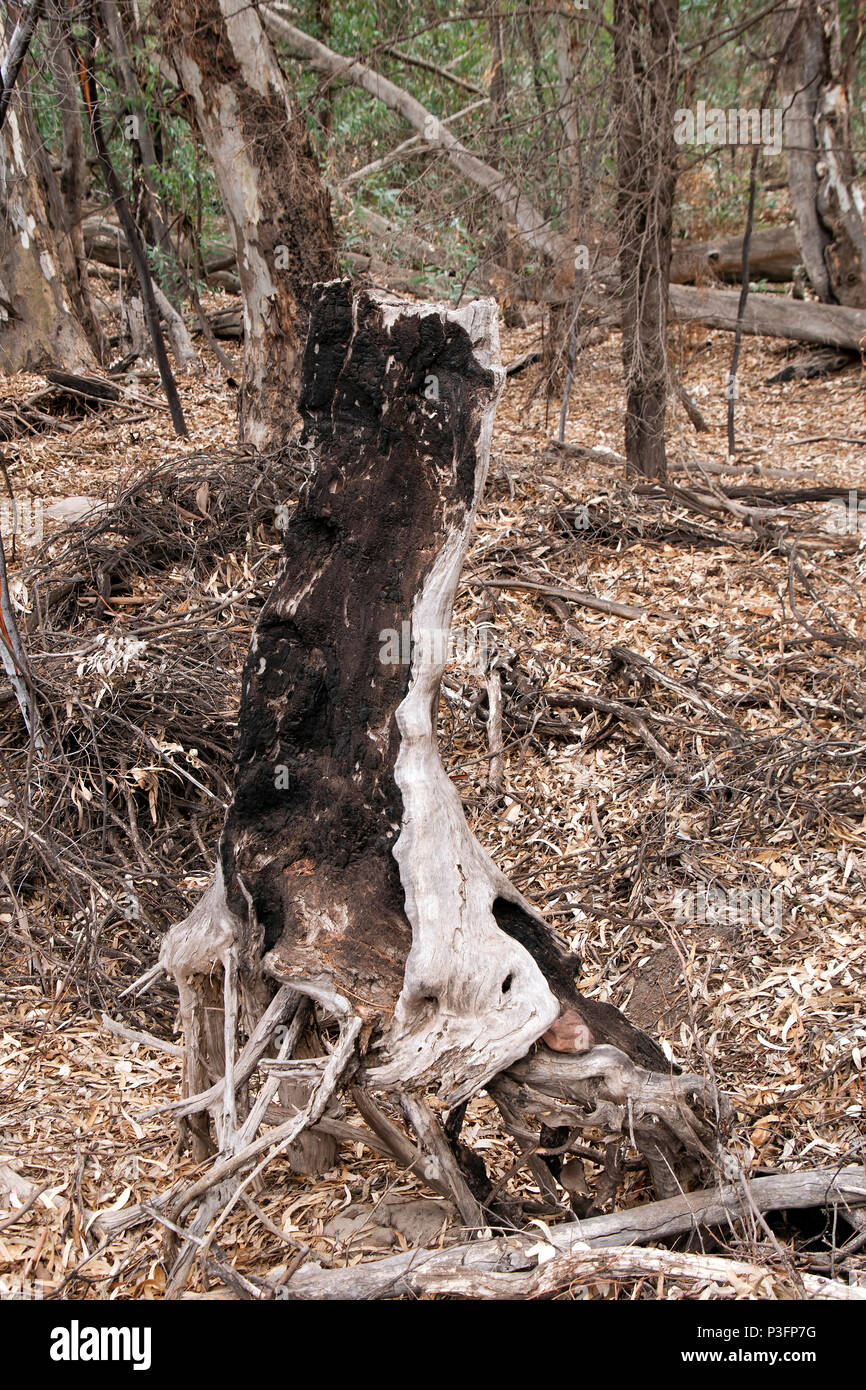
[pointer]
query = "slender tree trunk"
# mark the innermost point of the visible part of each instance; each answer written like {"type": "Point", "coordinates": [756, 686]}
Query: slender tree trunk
{"type": "Point", "coordinates": [645, 45]}
{"type": "Point", "coordinates": [145, 200]}
{"type": "Point", "coordinates": [561, 343]}
{"type": "Point", "coordinates": [277, 206]}
{"type": "Point", "coordinates": [497, 85]}
{"type": "Point", "coordinates": [323, 18]}
{"type": "Point", "coordinates": [825, 194]}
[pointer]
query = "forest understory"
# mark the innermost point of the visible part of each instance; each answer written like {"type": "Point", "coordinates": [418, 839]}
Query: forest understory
{"type": "Point", "coordinates": [682, 793]}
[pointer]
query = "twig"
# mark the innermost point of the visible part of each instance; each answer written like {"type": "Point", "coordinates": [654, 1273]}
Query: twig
{"type": "Point", "coordinates": [579, 596]}
{"type": "Point", "coordinates": [496, 770]}
{"type": "Point", "coordinates": [133, 1035]}
{"type": "Point", "coordinates": [7, 1221]}
{"type": "Point", "coordinates": [429, 1130]}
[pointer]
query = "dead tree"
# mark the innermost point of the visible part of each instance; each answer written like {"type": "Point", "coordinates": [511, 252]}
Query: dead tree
{"type": "Point", "coordinates": [826, 198]}
{"type": "Point", "coordinates": [277, 206]}
{"type": "Point", "coordinates": [347, 874]}
{"type": "Point", "coordinates": [645, 52]}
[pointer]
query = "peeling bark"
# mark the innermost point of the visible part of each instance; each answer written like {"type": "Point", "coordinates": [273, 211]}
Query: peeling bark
{"type": "Point", "coordinates": [277, 207]}
{"type": "Point", "coordinates": [38, 327]}
{"type": "Point", "coordinates": [826, 198]}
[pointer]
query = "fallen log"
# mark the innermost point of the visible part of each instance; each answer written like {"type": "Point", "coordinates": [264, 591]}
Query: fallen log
{"type": "Point", "coordinates": [772, 316]}
{"type": "Point", "coordinates": [69, 395]}
{"type": "Point", "coordinates": [228, 323]}
{"type": "Point", "coordinates": [773, 255]}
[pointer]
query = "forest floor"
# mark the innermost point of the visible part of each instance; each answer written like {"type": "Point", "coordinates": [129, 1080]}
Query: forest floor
{"type": "Point", "coordinates": [712, 878]}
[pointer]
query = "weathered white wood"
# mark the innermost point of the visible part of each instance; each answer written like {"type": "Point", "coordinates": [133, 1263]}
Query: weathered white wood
{"type": "Point", "coordinates": [394, 1275]}
{"type": "Point", "coordinates": [473, 1000]}
{"type": "Point", "coordinates": [712, 1273]}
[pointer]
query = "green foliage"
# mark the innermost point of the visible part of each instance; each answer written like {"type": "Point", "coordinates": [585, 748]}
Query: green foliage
{"type": "Point", "coordinates": [526, 138]}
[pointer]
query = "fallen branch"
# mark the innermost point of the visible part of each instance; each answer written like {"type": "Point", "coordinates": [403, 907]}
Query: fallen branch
{"type": "Point", "coordinates": [578, 596]}
{"type": "Point", "coordinates": [395, 1276]}
{"type": "Point", "coordinates": [771, 315]}
{"type": "Point", "coordinates": [584, 1267]}
{"type": "Point", "coordinates": [405, 147]}
{"type": "Point", "coordinates": [535, 228]}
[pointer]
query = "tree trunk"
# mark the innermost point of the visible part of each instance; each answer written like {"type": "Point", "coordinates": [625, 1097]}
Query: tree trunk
{"type": "Point", "coordinates": [645, 48]}
{"type": "Point", "coordinates": [346, 868]}
{"type": "Point", "coordinates": [825, 195]}
{"type": "Point", "coordinates": [277, 206]}
{"type": "Point", "coordinates": [38, 326]}
{"type": "Point", "coordinates": [65, 199]}
{"type": "Point", "coordinates": [145, 202]}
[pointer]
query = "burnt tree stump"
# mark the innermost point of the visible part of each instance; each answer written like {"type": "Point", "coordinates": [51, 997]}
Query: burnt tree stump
{"type": "Point", "coordinates": [346, 870]}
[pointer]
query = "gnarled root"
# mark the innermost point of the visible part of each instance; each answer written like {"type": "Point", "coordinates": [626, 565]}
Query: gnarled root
{"type": "Point", "coordinates": [675, 1121]}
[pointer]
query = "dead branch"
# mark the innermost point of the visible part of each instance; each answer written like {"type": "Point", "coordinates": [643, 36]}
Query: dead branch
{"type": "Point", "coordinates": [724, 1207]}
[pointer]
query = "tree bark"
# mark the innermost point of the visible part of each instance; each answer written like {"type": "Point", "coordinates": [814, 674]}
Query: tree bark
{"type": "Point", "coordinates": [774, 315]}
{"type": "Point", "coordinates": [277, 206]}
{"type": "Point", "coordinates": [66, 198]}
{"type": "Point", "coordinates": [38, 325]}
{"type": "Point", "coordinates": [773, 255]}
{"type": "Point", "coordinates": [645, 49]}
{"type": "Point", "coordinates": [145, 201]}
{"type": "Point", "coordinates": [825, 195]}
